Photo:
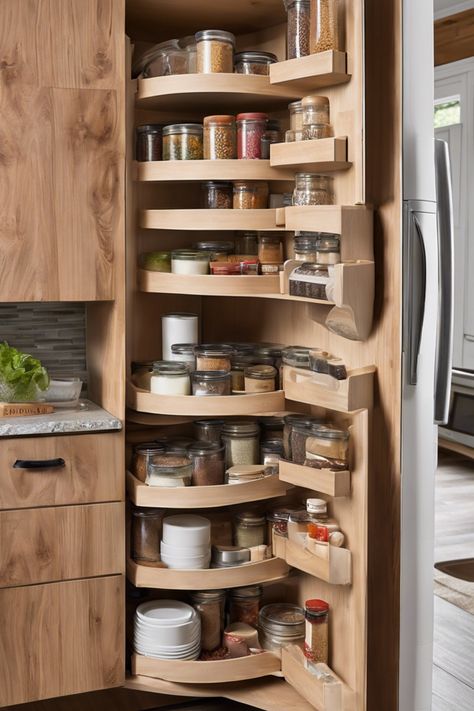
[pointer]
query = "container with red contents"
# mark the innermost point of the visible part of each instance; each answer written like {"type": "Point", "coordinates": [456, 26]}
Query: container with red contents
{"type": "Point", "coordinates": [316, 641]}
{"type": "Point", "coordinates": [322, 530]}
{"type": "Point", "coordinates": [244, 605]}
{"type": "Point", "coordinates": [250, 129]}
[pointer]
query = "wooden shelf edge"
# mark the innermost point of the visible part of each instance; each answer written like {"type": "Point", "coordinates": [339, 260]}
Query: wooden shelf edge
{"type": "Point", "coordinates": [201, 219]}
{"type": "Point", "coordinates": [325, 154]}
{"type": "Point", "coordinates": [208, 284]}
{"type": "Point", "coordinates": [315, 70]}
{"type": "Point", "coordinates": [325, 481]}
{"type": "Point", "coordinates": [354, 393]}
{"type": "Point", "coordinates": [336, 569]}
{"type": "Point", "coordinates": [199, 170]}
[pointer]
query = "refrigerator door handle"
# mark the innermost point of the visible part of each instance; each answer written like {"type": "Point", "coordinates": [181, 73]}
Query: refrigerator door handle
{"type": "Point", "coordinates": [416, 294]}
{"type": "Point", "coordinates": [444, 346]}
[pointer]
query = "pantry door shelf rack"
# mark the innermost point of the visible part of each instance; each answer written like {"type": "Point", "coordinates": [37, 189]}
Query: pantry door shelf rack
{"type": "Point", "coordinates": [186, 171]}
{"type": "Point", "coordinates": [335, 568]}
{"type": "Point", "coordinates": [159, 577]}
{"type": "Point", "coordinates": [217, 672]}
{"type": "Point", "coordinates": [213, 220]}
{"type": "Point", "coordinates": [324, 481]}
{"type": "Point", "coordinates": [315, 71]}
{"type": "Point", "coordinates": [353, 393]}
{"type": "Point", "coordinates": [318, 155]}
{"type": "Point", "coordinates": [197, 497]}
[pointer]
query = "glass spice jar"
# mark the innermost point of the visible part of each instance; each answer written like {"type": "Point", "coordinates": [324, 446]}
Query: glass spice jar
{"type": "Point", "coordinates": [316, 641]}
{"type": "Point", "coordinates": [184, 353]}
{"type": "Point", "coordinates": [328, 250]}
{"type": "Point", "coordinates": [250, 129]}
{"type": "Point", "coordinates": [189, 261]}
{"type": "Point", "coordinates": [189, 45]}
{"type": "Point", "coordinates": [298, 29]}
{"type": "Point", "coordinates": [148, 142]}
{"type": "Point", "coordinates": [182, 141]}
{"type": "Point", "coordinates": [290, 422]}
{"type": "Point", "coordinates": [260, 378]}
{"type": "Point", "coordinates": [246, 243]}
{"type": "Point", "coordinates": [210, 605]}
{"type": "Point", "coordinates": [171, 470]}
{"type": "Point", "coordinates": [143, 454]}
{"type": "Point", "coordinates": [146, 528]}
{"type": "Point", "coordinates": [296, 115]}
{"type": "Point", "coordinates": [238, 366]}
{"type": "Point", "coordinates": [271, 428]}
{"type": "Point", "coordinates": [311, 281]}
{"type": "Point", "coordinates": [207, 383]}
{"type": "Point", "coordinates": [216, 195]}
{"type": "Point", "coordinates": [219, 138]}
{"type": "Point", "coordinates": [213, 356]}
{"type": "Point", "coordinates": [305, 249]}
{"type": "Point", "coordinates": [299, 435]}
{"type": "Point", "coordinates": [241, 440]}
{"type": "Point", "coordinates": [218, 251]}
{"type": "Point", "coordinates": [315, 110]}
{"type": "Point", "coordinates": [250, 195]}
{"type": "Point", "coordinates": [249, 529]}
{"type": "Point", "coordinates": [208, 463]}
{"type": "Point", "coordinates": [328, 444]}
{"type": "Point", "coordinates": [324, 29]}
{"type": "Point", "coordinates": [170, 378]}
{"type": "Point", "coordinates": [313, 189]}
{"type": "Point", "coordinates": [244, 605]}
{"type": "Point", "coordinates": [270, 249]}
{"type": "Point", "coordinates": [271, 451]}
{"type": "Point", "coordinates": [155, 261]}
{"type": "Point", "coordinates": [296, 356]}
{"type": "Point", "coordinates": [281, 624]}
{"type": "Point", "coordinates": [253, 62]}
{"type": "Point", "coordinates": [208, 430]}
{"type": "Point", "coordinates": [215, 51]}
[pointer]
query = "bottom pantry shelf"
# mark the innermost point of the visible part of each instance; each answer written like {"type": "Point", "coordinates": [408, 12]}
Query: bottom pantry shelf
{"type": "Point", "coordinates": [198, 672]}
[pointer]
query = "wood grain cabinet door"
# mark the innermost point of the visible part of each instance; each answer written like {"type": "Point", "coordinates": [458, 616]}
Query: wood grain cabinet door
{"type": "Point", "coordinates": [61, 148]}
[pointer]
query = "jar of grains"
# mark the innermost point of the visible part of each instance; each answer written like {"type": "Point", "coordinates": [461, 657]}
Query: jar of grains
{"type": "Point", "coordinates": [313, 189]}
{"type": "Point", "coordinates": [238, 365]}
{"type": "Point", "coordinates": [324, 30]}
{"type": "Point", "coordinates": [155, 261]}
{"type": "Point", "coordinates": [328, 250]}
{"type": "Point", "coordinates": [328, 444]}
{"type": "Point", "coordinates": [171, 470]}
{"type": "Point", "coordinates": [213, 356]}
{"type": "Point", "coordinates": [182, 141]}
{"type": "Point", "coordinates": [296, 115]}
{"type": "Point", "coordinates": [253, 62]}
{"type": "Point", "coordinates": [208, 430]}
{"type": "Point", "coordinates": [298, 29]}
{"type": "Point", "coordinates": [249, 529]}
{"type": "Point", "coordinates": [218, 251]}
{"type": "Point", "coordinates": [244, 605]}
{"type": "Point", "coordinates": [210, 605]}
{"type": "Point", "coordinates": [250, 129]}
{"type": "Point", "coordinates": [219, 138]}
{"type": "Point", "coordinates": [216, 195]}
{"type": "Point", "coordinates": [143, 454]}
{"type": "Point", "coordinates": [315, 110]}
{"type": "Point", "coordinates": [189, 261]}
{"type": "Point", "coordinates": [290, 422]}
{"type": "Point", "coordinates": [184, 352]}
{"type": "Point", "coordinates": [281, 624]}
{"type": "Point", "coordinates": [241, 440]}
{"type": "Point", "coordinates": [270, 249]}
{"type": "Point", "coordinates": [250, 195]}
{"type": "Point", "coordinates": [260, 378]}
{"type": "Point", "coordinates": [170, 378]}
{"type": "Point", "coordinates": [305, 249]}
{"type": "Point", "coordinates": [316, 646]}
{"type": "Point", "coordinates": [215, 51]}
{"type": "Point", "coordinates": [146, 530]}
{"type": "Point", "coordinates": [246, 243]}
{"type": "Point", "coordinates": [208, 463]}
{"type": "Point", "coordinates": [148, 142]}
{"type": "Point", "coordinates": [207, 383]}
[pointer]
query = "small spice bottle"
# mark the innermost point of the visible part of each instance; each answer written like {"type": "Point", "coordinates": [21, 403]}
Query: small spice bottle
{"type": "Point", "coordinates": [146, 530]}
{"type": "Point", "coordinates": [281, 624]}
{"type": "Point", "coordinates": [305, 249]}
{"type": "Point", "coordinates": [238, 366]}
{"type": "Point", "coordinates": [208, 463]}
{"type": "Point", "coordinates": [219, 138]}
{"type": "Point", "coordinates": [241, 440]}
{"type": "Point", "coordinates": [155, 261]}
{"type": "Point", "coordinates": [216, 195]}
{"type": "Point", "coordinates": [213, 356]}
{"type": "Point", "coordinates": [290, 422]}
{"type": "Point", "coordinates": [170, 378]}
{"type": "Point", "coordinates": [207, 383]}
{"type": "Point", "coordinates": [189, 261]}
{"type": "Point", "coordinates": [324, 29]}
{"type": "Point", "coordinates": [218, 251]}
{"type": "Point", "coordinates": [210, 605]}
{"type": "Point", "coordinates": [215, 51]}
{"type": "Point", "coordinates": [249, 529]}
{"type": "Point", "coordinates": [253, 62]}
{"type": "Point", "coordinates": [260, 378]}
{"type": "Point", "coordinates": [246, 243]}
{"type": "Point", "coordinates": [250, 195]}
{"type": "Point", "coordinates": [316, 646]}
{"type": "Point", "coordinates": [250, 129]}
{"type": "Point", "coordinates": [328, 444]}
{"type": "Point", "coordinates": [313, 189]}
{"type": "Point", "coordinates": [148, 142]}
{"type": "Point", "coordinates": [182, 141]}
{"type": "Point", "coordinates": [316, 117]}
{"type": "Point", "coordinates": [208, 430]}
{"type": "Point", "coordinates": [298, 28]}
{"type": "Point", "coordinates": [271, 451]}
{"type": "Point", "coordinates": [270, 249]}
{"type": "Point", "coordinates": [143, 454]}
{"type": "Point", "coordinates": [296, 115]}
{"type": "Point", "coordinates": [244, 605]}
{"type": "Point", "coordinates": [328, 250]}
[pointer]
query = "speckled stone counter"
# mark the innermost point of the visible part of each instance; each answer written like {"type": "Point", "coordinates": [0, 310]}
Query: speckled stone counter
{"type": "Point", "coordinates": [87, 417]}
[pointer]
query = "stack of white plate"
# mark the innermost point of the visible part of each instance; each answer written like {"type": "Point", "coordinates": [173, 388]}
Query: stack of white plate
{"type": "Point", "coordinates": [167, 629]}
{"type": "Point", "coordinates": [186, 542]}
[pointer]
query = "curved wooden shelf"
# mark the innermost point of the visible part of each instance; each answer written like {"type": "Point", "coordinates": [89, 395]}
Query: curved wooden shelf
{"type": "Point", "coordinates": [196, 497]}
{"type": "Point", "coordinates": [306, 74]}
{"type": "Point", "coordinates": [324, 154]}
{"type": "Point", "coordinates": [143, 576]}
{"type": "Point", "coordinates": [199, 170]}
{"type": "Point", "coordinates": [218, 406]}
{"type": "Point", "coordinates": [209, 93]}
{"type": "Point", "coordinates": [208, 284]}
{"type": "Point", "coordinates": [354, 393]}
{"type": "Point", "coordinates": [335, 569]}
{"type": "Point", "coordinates": [200, 672]}
{"type": "Point", "coordinates": [325, 481]}
{"type": "Point", "coordinates": [212, 220]}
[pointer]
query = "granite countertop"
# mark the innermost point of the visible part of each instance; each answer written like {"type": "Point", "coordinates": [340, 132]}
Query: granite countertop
{"type": "Point", "coordinates": [86, 417]}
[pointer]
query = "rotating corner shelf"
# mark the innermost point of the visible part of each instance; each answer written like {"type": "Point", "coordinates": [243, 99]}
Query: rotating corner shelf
{"type": "Point", "coordinates": [205, 672]}
{"type": "Point", "coordinates": [268, 219]}
{"type": "Point", "coordinates": [208, 285]}
{"type": "Point", "coordinates": [265, 571]}
{"type": "Point", "coordinates": [305, 74]}
{"type": "Point", "coordinates": [324, 154]}
{"type": "Point", "coordinates": [195, 497]}
{"type": "Point", "coordinates": [324, 481]}
{"type": "Point", "coordinates": [218, 406]}
{"type": "Point", "coordinates": [335, 569]}
{"type": "Point", "coordinates": [353, 393]}
{"type": "Point", "coordinates": [199, 170]}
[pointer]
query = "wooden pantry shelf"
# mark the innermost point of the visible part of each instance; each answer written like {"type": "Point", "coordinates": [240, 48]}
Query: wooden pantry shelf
{"type": "Point", "coordinates": [202, 672]}
{"type": "Point", "coordinates": [325, 694]}
{"type": "Point", "coordinates": [195, 497]}
{"type": "Point", "coordinates": [321, 155]}
{"type": "Point", "coordinates": [210, 93]}
{"type": "Point", "coordinates": [143, 576]}
{"type": "Point", "coordinates": [208, 285]}
{"type": "Point", "coordinates": [199, 170]}
{"type": "Point", "coordinates": [353, 393]}
{"type": "Point", "coordinates": [324, 481]}
{"type": "Point", "coordinates": [335, 569]}
{"type": "Point", "coordinates": [215, 220]}
{"type": "Point", "coordinates": [306, 74]}
{"type": "Point", "coordinates": [217, 406]}
{"type": "Point", "coordinates": [346, 220]}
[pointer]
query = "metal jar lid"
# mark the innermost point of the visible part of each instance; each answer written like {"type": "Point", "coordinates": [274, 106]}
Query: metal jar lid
{"type": "Point", "coordinates": [240, 428]}
{"type": "Point", "coordinates": [219, 35]}
{"type": "Point", "coordinates": [251, 591]}
{"type": "Point", "coordinates": [170, 367]}
{"type": "Point", "coordinates": [210, 375]}
{"type": "Point", "coordinates": [283, 618]}
{"type": "Point", "coordinates": [150, 128]}
{"type": "Point", "coordinates": [230, 555]}
{"type": "Point", "coordinates": [180, 128]}
{"type": "Point", "coordinates": [204, 448]}
{"type": "Point", "coordinates": [249, 518]}
{"type": "Point", "coordinates": [257, 57]}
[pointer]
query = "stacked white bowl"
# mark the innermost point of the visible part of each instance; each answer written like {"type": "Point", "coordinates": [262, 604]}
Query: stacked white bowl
{"type": "Point", "coordinates": [167, 629]}
{"type": "Point", "coordinates": [186, 542]}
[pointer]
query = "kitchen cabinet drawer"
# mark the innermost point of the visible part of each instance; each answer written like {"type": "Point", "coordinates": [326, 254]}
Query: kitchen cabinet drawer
{"type": "Point", "coordinates": [92, 470]}
{"type": "Point", "coordinates": [61, 543]}
{"type": "Point", "coordinates": [61, 638]}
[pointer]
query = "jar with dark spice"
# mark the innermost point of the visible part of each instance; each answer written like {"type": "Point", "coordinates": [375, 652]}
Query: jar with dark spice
{"type": "Point", "coordinates": [241, 440]}
{"type": "Point", "coordinates": [208, 430]}
{"type": "Point", "coordinates": [271, 451]}
{"type": "Point", "coordinates": [324, 28]}
{"type": "Point", "coordinates": [298, 437]}
{"type": "Point", "coordinates": [147, 525]}
{"type": "Point", "coordinates": [250, 195]}
{"type": "Point", "coordinates": [182, 141]}
{"type": "Point", "coordinates": [246, 243]}
{"type": "Point", "coordinates": [270, 249]}
{"type": "Point", "coordinates": [281, 624]}
{"type": "Point", "coordinates": [215, 51]}
{"type": "Point", "coordinates": [250, 129]}
{"type": "Point", "coordinates": [316, 642]}
{"type": "Point", "coordinates": [213, 356]}
{"type": "Point", "coordinates": [207, 383]}
{"type": "Point", "coordinates": [311, 281]}
{"type": "Point", "coordinates": [170, 469]}
{"type": "Point", "coordinates": [321, 361]}
{"type": "Point", "coordinates": [208, 463]}
{"type": "Point", "coordinates": [290, 422]}
{"type": "Point", "coordinates": [260, 378]}
{"type": "Point", "coordinates": [313, 189]}
{"type": "Point", "coordinates": [328, 444]}
{"type": "Point", "coordinates": [254, 62]}
{"type": "Point", "coordinates": [148, 142]}
{"type": "Point", "coordinates": [249, 529]}
{"type": "Point", "coordinates": [244, 605]}
{"type": "Point", "coordinates": [210, 605]}
{"type": "Point", "coordinates": [271, 428]}
{"type": "Point", "coordinates": [219, 138]}
{"type": "Point", "coordinates": [298, 29]}
{"type": "Point", "coordinates": [216, 195]}
{"type": "Point", "coordinates": [143, 454]}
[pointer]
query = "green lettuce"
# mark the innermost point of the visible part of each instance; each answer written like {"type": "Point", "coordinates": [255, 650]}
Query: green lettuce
{"type": "Point", "coordinates": [21, 375]}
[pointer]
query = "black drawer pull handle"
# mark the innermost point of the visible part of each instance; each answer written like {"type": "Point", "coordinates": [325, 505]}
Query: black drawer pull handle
{"type": "Point", "coordinates": [58, 463]}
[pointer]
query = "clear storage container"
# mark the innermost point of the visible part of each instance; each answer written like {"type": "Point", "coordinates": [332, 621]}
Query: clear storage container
{"type": "Point", "coordinates": [253, 62]}
{"type": "Point", "coordinates": [241, 440]}
{"type": "Point", "coordinates": [281, 624]}
{"type": "Point", "coordinates": [249, 529]}
{"type": "Point", "coordinates": [208, 430]}
{"type": "Point", "coordinates": [324, 30]}
{"type": "Point", "coordinates": [296, 356]}
{"type": "Point", "coordinates": [148, 142]}
{"type": "Point", "coordinates": [188, 261]}
{"type": "Point", "coordinates": [270, 249]}
{"type": "Point", "coordinates": [271, 451]}
{"type": "Point", "coordinates": [328, 250]}
{"type": "Point", "coordinates": [215, 51]}
{"type": "Point", "coordinates": [171, 470]}
{"type": "Point", "coordinates": [219, 138]}
{"type": "Point", "coordinates": [315, 109]}
{"type": "Point", "coordinates": [182, 141]}
{"type": "Point", "coordinates": [246, 243]}
{"type": "Point", "coordinates": [311, 281]}
{"type": "Point", "coordinates": [155, 261]}
{"type": "Point", "coordinates": [305, 249]}
{"type": "Point", "coordinates": [213, 356]}
{"type": "Point", "coordinates": [250, 195]}
{"type": "Point", "coordinates": [327, 445]}
{"type": "Point", "coordinates": [166, 61]}
{"type": "Point", "coordinates": [189, 45]}
{"type": "Point", "coordinates": [210, 604]}
{"type": "Point", "coordinates": [184, 353]}
{"type": "Point", "coordinates": [208, 463]}
{"type": "Point", "coordinates": [298, 28]}
{"type": "Point", "coordinates": [216, 195]}
{"type": "Point", "coordinates": [207, 383]}
{"type": "Point", "coordinates": [143, 454]}
{"type": "Point", "coordinates": [260, 378]}
{"type": "Point", "coordinates": [313, 189]}
{"type": "Point", "coordinates": [290, 422]}
{"type": "Point", "coordinates": [218, 251]}
{"type": "Point", "coordinates": [170, 378]}
{"type": "Point", "coordinates": [251, 128]}
{"type": "Point", "coordinates": [244, 605]}
{"type": "Point", "coordinates": [146, 528]}
{"type": "Point", "coordinates": [296, 115]}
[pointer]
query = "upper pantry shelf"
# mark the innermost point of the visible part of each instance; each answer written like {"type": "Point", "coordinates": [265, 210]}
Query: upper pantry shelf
{"type": "Point", "coordinates": [305, 74]}
{"type": "Point", "coordinates": [199, 170]}
{"type": "Point", "coordinates": [269, 219]}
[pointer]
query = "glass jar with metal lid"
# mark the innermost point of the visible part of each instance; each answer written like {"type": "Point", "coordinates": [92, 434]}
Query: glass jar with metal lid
{"type": "Point", "coordinates": [210, 604]}
{"type": "Point", "coordinates": [216, 195]}
{"type": "Point", "coordinates": [244, 604]}
{"type": "Point", "coordinates": [250, 195]}
{"type": "Point", "coordinates": [312, 281]}
{"type": "Point", "coordinates": [269, 350]}
{"type": "Point", "coordinates": [249, 529]}
{"type": "Point", "coordinates": [328, 444]}
{"type": "Point", "coordinates": [218, 251]}
{"type": "Point", "coordinates": [313, 189]}
{"type": "Point", "coordinates": [182, 141]}
{"type": "Point", "coordinates": [305, 249]}
{"type": "Point", "coordinates": [316, 117]}
{"type": "Point", "coordinates": [246, 243]}
{"type": "Point", "coordinates": [215, 51]}
{"type": "Point", "coordinates": [207, 383]}
{"type": "Point", "coordinates": [296, 356]}
{"type": "Point", "coordinates": [229, 556]}
{"type": "Point", "coordinates": [184, 352]}
{"type": "Point", "coordinates": [172, 469]}
{"type": "Point", "coordinates": [298, 26]}
{"type": "Point", "coordinates": [271, 451]}
{"type": "Point", "coordinates": [146, 528]}
{"type": "Point", "coordinates": [271, 427]}
{"type": "Point", "coordinates": [143, 454]}
{"type": "Point", "coordinates": [270, 249]}
{"type": "Point", "coordinates": [316, 644]}
{"type": "Point", "coordinates": [208, 463]}
{"type": "Point", "coordinates": [144, 59]}
{"type": "Point", "coordinates": [324, 28]}
{"type": "Point", "coordinates": [328, 249]}
{"type": "Point", "coordinates": [296, 115]}
{"type": "Point", "coordinates": [165, 61]}
{"type": "Point", "coordinates": [281, 624]}
{"type": "Point", "coordinates": [148, 142]}
{"type": "Point", "coordinates": [290, 422]}
{"type": "Point", "coordinates": [170, 378]}
{"type": "Point", "coordinates": [254, 62]}
{"type": "Point", "coordinates": [155, 261]}
{"type": "Point", "coordinates": [213, 356]}
{"type": "Point", "coordinates": [208, 430]}
{"type": "Point", "coordinates": [241, 440]}
{"type": "Point", "coordinates": [250, 129]}
{"type": "Point", "coordinates": [299, 435]}
{"type": "Point", "coordinates": [238, 365]}
{"type": "Point", "coordinates": [189, 261]}
{"type": "Point", "coordinates": [260, 378]}
{"type": "Point", "coordinates": [219, 137]}
{"type": "Point", "coordinates": [189, 45]}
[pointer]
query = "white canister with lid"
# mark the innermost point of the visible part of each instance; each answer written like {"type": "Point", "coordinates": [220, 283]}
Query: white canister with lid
{"type": "Point", "coordinates": [178, 328]}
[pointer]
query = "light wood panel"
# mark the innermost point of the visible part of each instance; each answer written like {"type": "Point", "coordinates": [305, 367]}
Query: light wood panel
{"type": "Point", "coordinates": [61, 543]}
{"type": "Point", "coordinates": [212, 285]}
{"type": "Point", "coordinates": [353, 393]}
{"type": "Point", "coordinates": [92, 471]}
{"type": "Point", "coordinates": [339, 219]}
{"type": "Point", "coordinates": [335, 569]}
{"type": "Point", "coordinates": [209, 219]}
{"type": "Point", "coordinates": [61, 638]}
{"type": "Point", "coordinates": [200, 170]}
{"type": "Point", "coordinates": [325, 481]}
{"type": "Point", "coordinates": [323, 695]}
{"type": "Point", "coordinates": [454, 37]}
{"type": "Point", "coordinates": [312, 72]}
{"type": "Point", "coordinates": [319, 155]}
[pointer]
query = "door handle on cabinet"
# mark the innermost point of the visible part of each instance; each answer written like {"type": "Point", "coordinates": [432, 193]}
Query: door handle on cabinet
{"type": "Point", "coordinates": [57, 463]}
{"type": "Point", "coordinates": [417, 294]}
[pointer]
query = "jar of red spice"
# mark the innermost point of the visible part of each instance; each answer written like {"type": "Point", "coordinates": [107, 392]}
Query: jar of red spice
{"type": "Point", "coordinates": [244, 605]}
{"type": "Point", "coordinates": [250, 130]}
